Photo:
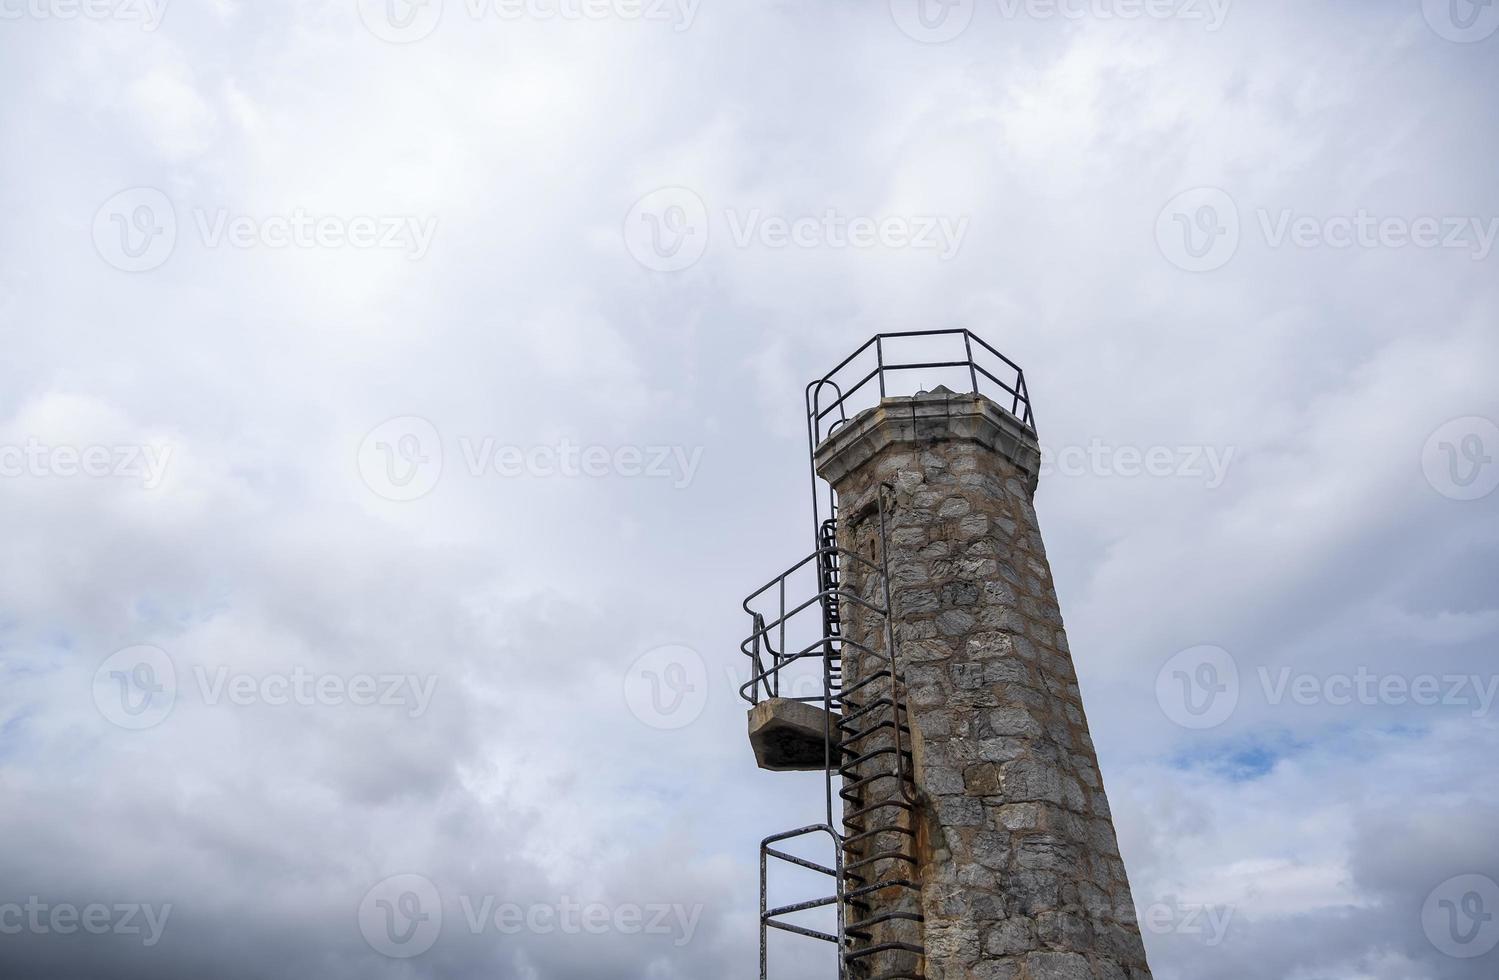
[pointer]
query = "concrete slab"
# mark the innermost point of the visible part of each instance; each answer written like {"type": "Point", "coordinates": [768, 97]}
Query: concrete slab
{"type": "Point", "coordinates": [789, 736]}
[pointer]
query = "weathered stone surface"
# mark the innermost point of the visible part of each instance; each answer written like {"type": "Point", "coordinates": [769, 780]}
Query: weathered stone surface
{"type": "Point", "coordinates": [788, 736]}
{"type": "Point", "coordinates": [1018, 863]}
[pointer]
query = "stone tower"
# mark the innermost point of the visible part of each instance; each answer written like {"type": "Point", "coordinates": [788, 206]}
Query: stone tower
{"type": "Point", "coordinates": [1004, 864]}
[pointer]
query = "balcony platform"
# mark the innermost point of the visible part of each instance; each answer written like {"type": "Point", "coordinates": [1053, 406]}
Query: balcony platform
{"type": "Point", "coordinates": [790, 736]}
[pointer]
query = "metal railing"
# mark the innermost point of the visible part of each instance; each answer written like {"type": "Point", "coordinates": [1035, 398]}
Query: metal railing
{"type": "Point", "coordinates": [773, 630]}
{"type": "Point", "coordinates": [1006, 388]}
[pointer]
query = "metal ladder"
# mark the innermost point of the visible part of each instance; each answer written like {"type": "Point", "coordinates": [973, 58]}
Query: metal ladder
{"type": "Point", "coordinates": [879, 799]}
{"type": "Point", "coordinates": [869, 751]}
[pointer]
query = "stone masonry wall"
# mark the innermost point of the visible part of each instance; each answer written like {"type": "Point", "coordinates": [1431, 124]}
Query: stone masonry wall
{"type": "Point", "coordinates": [1020, 872]}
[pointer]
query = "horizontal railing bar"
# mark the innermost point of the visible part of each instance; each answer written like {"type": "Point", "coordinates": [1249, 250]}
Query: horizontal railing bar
{"type": "Point", "coordinates": [844, 395]}
{"type": "Point", "coordinates": [800, 862]}
{"type": "Point", "coordinates": [815, 903]}
{"type": "Point", "coordinates": [816, 828]}
{"type": "Point", "coordinates": [819, 553]}
{"type": "Point", "coordinates": [1017, 391]}
{"type": "Point", "coordinates": [775, 624]}
{"type": "Point", "coordinates": [801, 931]}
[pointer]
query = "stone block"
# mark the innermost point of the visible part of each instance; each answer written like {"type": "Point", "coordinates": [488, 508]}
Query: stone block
{"type": "Point", "coordinates": [789, 736]}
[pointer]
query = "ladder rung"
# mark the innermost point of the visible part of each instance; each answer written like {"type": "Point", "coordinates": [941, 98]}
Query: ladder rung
{"type": "Point", "coordinates": [801, 931]}
{"type": "Point", "coordinates": [886, 917]}
{"type": "Point", "coordinates": [864, 835]}
{"type": "Point", "coordinates": [878, 806]}
{"type": "Point", "coordinates": [816, 903]}
{"type": "Point", "coordinates": [803, 862]}
{"type": "Point", "coordinates": [885, 856]}
{"type": "Point", "coordinates": [858, 893]}
{"type": "Point", "coordinates": [883, 948]}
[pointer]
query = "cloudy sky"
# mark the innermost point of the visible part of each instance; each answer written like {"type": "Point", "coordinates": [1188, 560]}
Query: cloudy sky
{"type": "Point", "coordinates": [398, 400]}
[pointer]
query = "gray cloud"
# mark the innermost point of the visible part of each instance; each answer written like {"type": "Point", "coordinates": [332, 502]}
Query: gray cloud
{"type": "Point", "coordinates": [529, 779]}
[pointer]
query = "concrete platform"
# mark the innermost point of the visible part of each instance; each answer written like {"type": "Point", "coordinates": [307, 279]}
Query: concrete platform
{"type": "Point", "coordinates": [789, 736]}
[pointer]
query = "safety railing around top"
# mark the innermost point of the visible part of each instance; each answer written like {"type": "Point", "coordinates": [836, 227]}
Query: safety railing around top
{"type": "Point", "coordinates": [961, 356]}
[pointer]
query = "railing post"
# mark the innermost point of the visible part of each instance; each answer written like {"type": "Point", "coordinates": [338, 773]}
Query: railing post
{"type": "Point", "coordinates": [973, 373]}
{"type": "Point", "coordinates": [782, 651]}
{"type": "Point", "coordinates": [764, 907]}
{"type": "Point", "coordinates": [879, 362]}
